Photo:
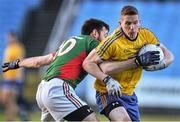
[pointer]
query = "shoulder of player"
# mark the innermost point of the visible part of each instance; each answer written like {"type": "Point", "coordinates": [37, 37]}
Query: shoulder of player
{"type": "Point", "coordinates": [110, 41]}
{"type": "Point", "coordinates": [86, 38]}
{"type": "Point", "coordinates": [144, 30]}
{"type": "Point", "coordinates": [114, 36]}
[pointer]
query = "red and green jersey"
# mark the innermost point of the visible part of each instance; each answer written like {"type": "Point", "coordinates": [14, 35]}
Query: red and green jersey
{"type": "Point", "coordinates": [67, 64]}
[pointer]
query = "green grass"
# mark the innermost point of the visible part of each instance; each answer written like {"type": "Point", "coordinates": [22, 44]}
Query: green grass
{"type": "Point", "coordinates": [167, 118]}
{"type": "Point", "coordinates": [35, 116]}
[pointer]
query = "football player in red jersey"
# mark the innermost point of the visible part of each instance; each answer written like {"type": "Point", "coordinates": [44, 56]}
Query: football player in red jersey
{"type": "Point", "coordinates": [55, 95]}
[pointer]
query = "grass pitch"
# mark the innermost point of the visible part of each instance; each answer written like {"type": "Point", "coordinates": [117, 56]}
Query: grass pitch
{"type": "Point", "coordinates": [35, 116]}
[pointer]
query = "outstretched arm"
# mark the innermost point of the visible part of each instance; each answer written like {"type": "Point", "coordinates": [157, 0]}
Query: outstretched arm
{"type": "Point", "coordinates": [36, 62]}
{"type": "Point", "coordinates": [33, 62]}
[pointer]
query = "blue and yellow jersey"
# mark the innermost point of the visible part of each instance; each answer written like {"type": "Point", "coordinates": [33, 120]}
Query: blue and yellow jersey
{"type": "Point", "coordinates": [117, 47]}
{"type": "Point", "coordinates": [13, 52]}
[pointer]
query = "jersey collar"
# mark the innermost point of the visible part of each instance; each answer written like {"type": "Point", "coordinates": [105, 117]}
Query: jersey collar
{"type": "Point", "coordinates": [128, 37]}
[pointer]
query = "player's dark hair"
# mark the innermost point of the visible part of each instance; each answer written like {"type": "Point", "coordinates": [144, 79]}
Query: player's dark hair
{"type": "Point", "coordinates": [129, 10]}
{"type": "Point", "coordinates": [91, 24]}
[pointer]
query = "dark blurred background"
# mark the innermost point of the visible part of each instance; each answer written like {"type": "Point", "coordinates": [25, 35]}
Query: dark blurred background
{"type": "Point", "coordinates": [42, 25]}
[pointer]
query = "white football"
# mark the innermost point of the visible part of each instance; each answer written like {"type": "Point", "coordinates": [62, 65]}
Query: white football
{"type": "Point", "coordinates": [151, 47]}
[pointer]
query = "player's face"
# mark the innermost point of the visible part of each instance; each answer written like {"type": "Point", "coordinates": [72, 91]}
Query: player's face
{"type": "Point", "coordinates": [130, 25]}
{"type": "Point", "coordinates": [103, 34]}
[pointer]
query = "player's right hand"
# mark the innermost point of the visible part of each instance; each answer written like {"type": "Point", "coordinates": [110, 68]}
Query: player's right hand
{"type": "Point", "coordinates": [148, 58]}
{"type": "Point", "coordinates": [159, 66]}
{"type": "Point", "coordinates": [112, 86]}
{"type": "Point", "coordinates": [10, 65]}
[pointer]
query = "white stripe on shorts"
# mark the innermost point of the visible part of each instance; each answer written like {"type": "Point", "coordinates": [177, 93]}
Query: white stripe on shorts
{"type": "Point", "coordinates": [70, 96]}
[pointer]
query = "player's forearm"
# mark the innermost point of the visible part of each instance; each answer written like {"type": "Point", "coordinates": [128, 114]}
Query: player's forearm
{"type": "Point", "coordinates": [117, 66]}
{"type": "Point", "coordinates": [168, 56]}
{"type": "Point", "coordinates": [36, 62]}
{"type": "Point", "coordinates": [94, 70]}
{"type": "Point", "coordinates": [30, 63]}
{"type": "Point", "coordinates": [90, 64]}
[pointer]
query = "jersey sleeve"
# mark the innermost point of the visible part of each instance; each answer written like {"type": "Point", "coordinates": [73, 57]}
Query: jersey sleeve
{"type": "Point", "coordinates": [55, 53]}
{"type": "Point", "coordinates": [152, 39]}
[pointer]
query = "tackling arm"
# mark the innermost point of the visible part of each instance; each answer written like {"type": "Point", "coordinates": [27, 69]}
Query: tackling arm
{"type": "Point", "coordinates": [120, 66]}
{"type": "Point", "coordinates": [90, 64]}
{"type": "Point", "coordinates": [33, 62]}
{"type": "Point", "coordinates": [117, 66]}
{"type": "Point", "coordinates": [93, 60]}
{"type": "Point", "coordinates": [93, 63]}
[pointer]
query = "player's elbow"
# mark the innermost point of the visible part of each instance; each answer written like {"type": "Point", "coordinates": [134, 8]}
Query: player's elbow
{"type": "Point", "coordinates": [171, 59]}
{"type": "Point", "coordinates": [37, 65]}
{"type": "Point", "coordinates": [88, 65]}
{"type": "Point", "coordinates": [85, 64]}
{"type": "Point", "coordinates": [43, 61]}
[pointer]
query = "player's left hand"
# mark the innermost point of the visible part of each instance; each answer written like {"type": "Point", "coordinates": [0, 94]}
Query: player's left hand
{"type": "Point", "coordinates": [10, 65]}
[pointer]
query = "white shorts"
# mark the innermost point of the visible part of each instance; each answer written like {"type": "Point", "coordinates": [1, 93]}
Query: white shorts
{"type": "Point", "coordinates": [57, 99]}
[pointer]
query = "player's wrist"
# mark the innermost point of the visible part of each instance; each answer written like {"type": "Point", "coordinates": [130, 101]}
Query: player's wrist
{"type": "Point", "coordinates": [14, 64]}
{"type": "Point", "coordinates": [137, 61]}
{"type": "Point", "coordinates": [106, 79]}
{"type": "Point", "coordinates": [17, 63]}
